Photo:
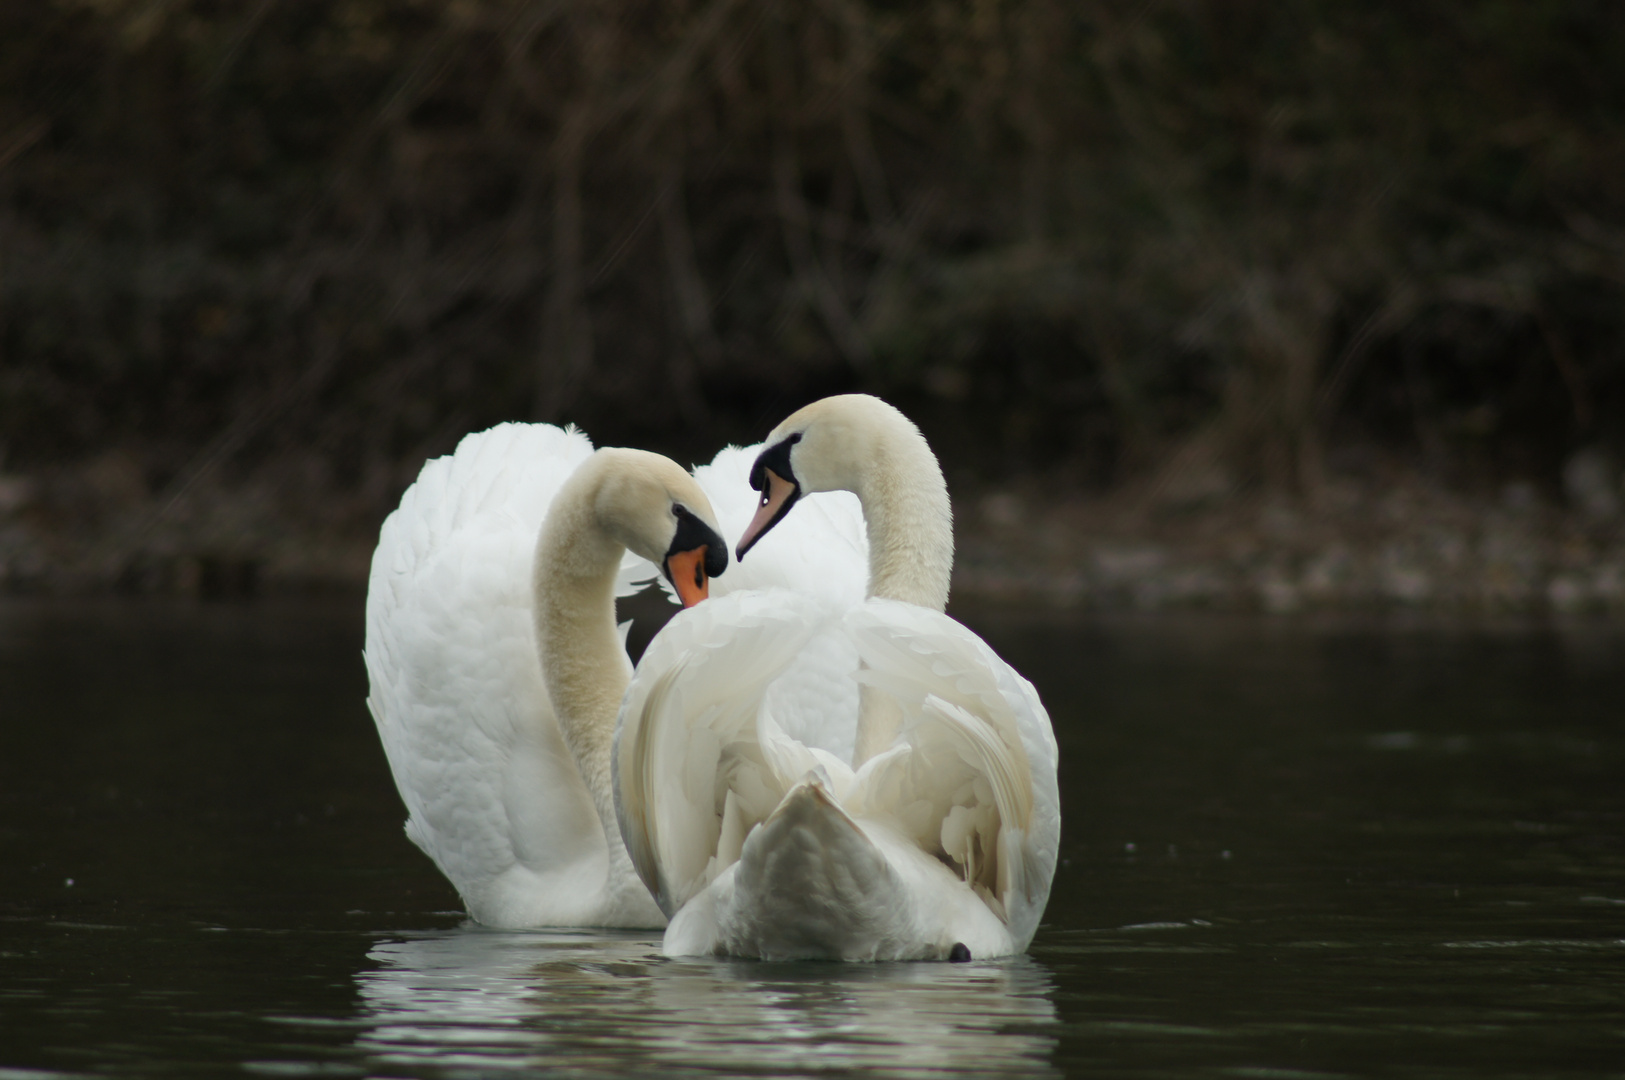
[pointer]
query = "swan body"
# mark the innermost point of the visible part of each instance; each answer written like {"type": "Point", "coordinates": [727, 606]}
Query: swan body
{"type": "Point", "coordinates": [808, 772]}
{"type": "Point", "coordinates": [496, 668]}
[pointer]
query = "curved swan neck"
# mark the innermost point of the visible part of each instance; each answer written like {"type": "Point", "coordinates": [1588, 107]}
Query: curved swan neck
{"type": "Point", "coordinates": [910, 522]}
{"type": "Point", "coordinates": [583, 662]}
{"type": "Point", "coordinates": [861, 444]}
{"type": "Point", "coordinates": [911, 552]}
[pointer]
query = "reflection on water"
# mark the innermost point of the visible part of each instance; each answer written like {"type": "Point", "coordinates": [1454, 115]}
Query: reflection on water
{"type": "Point", "coordinates": [489, 1000]}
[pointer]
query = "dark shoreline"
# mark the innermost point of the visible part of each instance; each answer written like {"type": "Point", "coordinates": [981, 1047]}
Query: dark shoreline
{"type": "Point", "coordinates": [1407, 546]}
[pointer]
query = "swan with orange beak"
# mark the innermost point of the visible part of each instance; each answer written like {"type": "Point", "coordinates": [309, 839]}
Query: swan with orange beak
{"type": "Point", "coordinates": [497, 669]}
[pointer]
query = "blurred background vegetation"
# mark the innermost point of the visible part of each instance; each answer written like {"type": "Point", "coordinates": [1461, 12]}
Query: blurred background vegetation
{"type": "Point", "coordinates": [1197, 244]}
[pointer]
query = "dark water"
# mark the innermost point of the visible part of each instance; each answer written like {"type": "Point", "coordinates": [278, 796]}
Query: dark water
{"type": "Point", "coordinates": [1291, 850]}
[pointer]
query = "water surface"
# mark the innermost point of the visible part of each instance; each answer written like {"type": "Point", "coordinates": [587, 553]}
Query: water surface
{"type": "Point", "coordinates": [1290, 849]}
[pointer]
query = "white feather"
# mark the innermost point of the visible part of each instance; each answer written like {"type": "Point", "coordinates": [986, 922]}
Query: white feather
{"type": "Point", "coordinates": [492, 793]}
{"type": "Point", "coordinates": [734, 774]}
{"type": "Point", "coordinates": [976, 757]}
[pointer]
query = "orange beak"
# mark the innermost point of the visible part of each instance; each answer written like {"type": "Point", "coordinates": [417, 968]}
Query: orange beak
{"type": "Point", "coordinates": [687, 572]}
{"type": "Point", "coordinates": [767, 515]}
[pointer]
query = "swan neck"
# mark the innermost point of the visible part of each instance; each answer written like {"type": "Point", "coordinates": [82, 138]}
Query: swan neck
{"type": "Point", "coordinates": [910, 523]}
{"type": "Point", "coordinates": [583, 662]}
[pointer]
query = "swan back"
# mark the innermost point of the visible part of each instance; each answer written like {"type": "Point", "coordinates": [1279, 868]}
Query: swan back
{"type": "Point", "coordinates": [704, 758]}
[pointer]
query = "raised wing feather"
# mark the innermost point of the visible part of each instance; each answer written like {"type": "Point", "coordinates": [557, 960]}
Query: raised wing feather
{"type": "Point", "coordinates": [693, 771]}
{"type": "Point", "coordinates": [707, 746]}
{"type": "Point", "coordinates": [456, 688]}
{"type": "Point", "coordinates": [973, 775]}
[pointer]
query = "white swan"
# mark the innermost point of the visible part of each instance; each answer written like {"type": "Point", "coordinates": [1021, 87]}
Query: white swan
{"type": "Point", "coordinates": [803, 774]}
{"type": "Point", "coordinates": [496, 670]}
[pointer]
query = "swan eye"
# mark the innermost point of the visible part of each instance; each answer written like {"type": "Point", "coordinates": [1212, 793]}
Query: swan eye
{"type": "Point", "coordinates": [777, 458]}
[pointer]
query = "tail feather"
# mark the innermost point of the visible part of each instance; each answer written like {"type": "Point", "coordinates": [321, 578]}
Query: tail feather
{"type": "Point", "coordinates": [812, 884]}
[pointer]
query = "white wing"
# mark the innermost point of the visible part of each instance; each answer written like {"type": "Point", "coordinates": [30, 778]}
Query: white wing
{"type": "Point", "coordinates": [824, 557]}
{"type": "Point", "coordinates": [688, 764]}
{"type": "Point", "coordinates": [706, 753]}
{"type": "Point", "coordinates": [493, 795]}
{"type": "Point", "coordinates": [972, 778]}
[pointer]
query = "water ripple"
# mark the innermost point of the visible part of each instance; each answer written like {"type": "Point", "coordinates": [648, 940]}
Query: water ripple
{"type": "Point", "coordinates": [486, 1000]}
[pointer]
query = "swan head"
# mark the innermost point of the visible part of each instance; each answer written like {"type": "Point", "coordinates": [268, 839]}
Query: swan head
{"type": "Point", "coordinates": [860, 444]}
{"type": "Point", "coordinates": [652, 505]}
{"type": "Point", "coordinates": [849, 442]}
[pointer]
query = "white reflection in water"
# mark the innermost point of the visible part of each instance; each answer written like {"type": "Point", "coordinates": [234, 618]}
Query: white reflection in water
{"type": "Point", "coordinates": [489, 1000]}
